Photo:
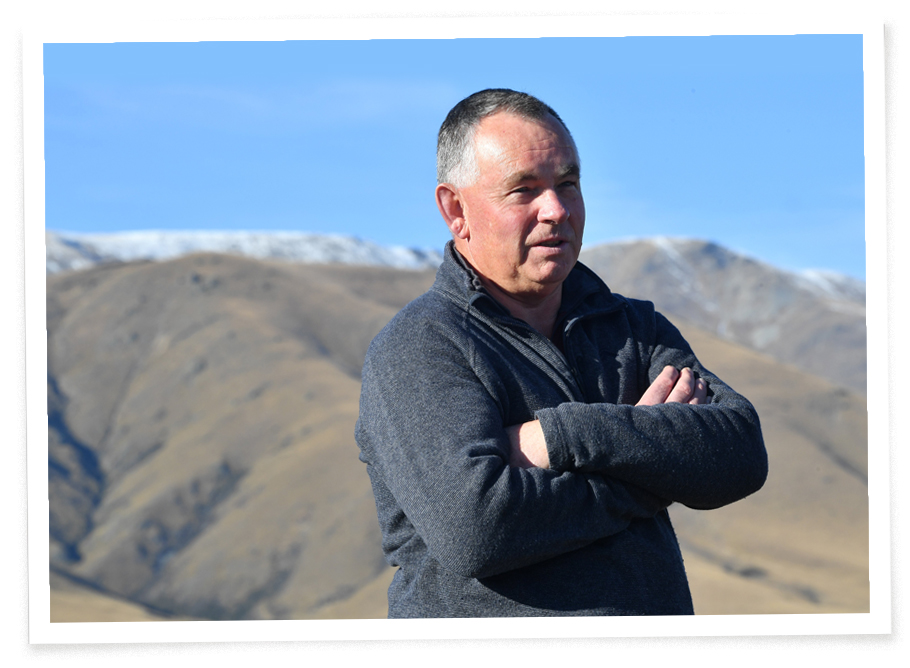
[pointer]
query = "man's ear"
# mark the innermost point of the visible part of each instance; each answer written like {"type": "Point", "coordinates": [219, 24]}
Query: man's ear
{"type": "Point", "coordinates": [448, 201]}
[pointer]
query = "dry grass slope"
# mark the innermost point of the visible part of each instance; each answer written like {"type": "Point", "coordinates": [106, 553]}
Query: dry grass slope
{"type": "Point", "coordinates": [219, 395]}
{"type": "Point", "coordinates": [203, 460]}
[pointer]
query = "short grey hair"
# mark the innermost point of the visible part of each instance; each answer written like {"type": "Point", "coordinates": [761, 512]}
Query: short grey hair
{"type": "Point", "coordinates": [456, 162]}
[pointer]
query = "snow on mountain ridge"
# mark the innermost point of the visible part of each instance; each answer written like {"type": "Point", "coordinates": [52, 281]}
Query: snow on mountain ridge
{"type": "Point", "coordinates": [73, 251]}
{"type": "Point", "coordinates": [833, 284]}
{"type": "Point", "coordinates": [824, 283]}
{"type": "Point", "coordinates": [70, 251]}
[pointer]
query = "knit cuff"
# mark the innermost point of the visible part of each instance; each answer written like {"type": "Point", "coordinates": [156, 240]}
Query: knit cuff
{"type": "Point", "coordinates": [561, 458]}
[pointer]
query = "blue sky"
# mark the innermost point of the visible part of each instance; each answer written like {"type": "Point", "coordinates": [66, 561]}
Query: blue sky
{"type": "Point", "coordinates": [755, 142]}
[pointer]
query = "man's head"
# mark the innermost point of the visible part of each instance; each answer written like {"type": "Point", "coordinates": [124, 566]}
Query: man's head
{"type": "Point", "coordinates": [517, 214]}
{"type": "Point", "coordinates": [455, 159]}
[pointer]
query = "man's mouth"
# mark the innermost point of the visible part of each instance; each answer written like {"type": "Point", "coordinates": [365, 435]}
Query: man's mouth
{"type": "Point", "coordinates": [551, 243]}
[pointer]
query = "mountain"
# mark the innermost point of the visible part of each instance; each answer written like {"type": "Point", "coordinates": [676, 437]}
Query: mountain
{"type": "Point", "coordinates": [210, 397]}
{"type": "Point", "coordinates": [202, 461]}
{"type": "Point", "coordinates": [807, 319]}
{"type": "Point", "coordinates": [813, 320]}
{"type": "Point", "coordinates": [69, 251]}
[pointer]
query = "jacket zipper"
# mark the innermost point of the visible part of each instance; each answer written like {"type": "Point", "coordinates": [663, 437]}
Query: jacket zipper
{"type": "Point", "coordinates": [570, 355]}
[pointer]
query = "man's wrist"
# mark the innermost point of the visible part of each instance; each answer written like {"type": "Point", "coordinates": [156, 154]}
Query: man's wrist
{"type": "Point", "coordinates": [528, 447]}
{"type": "Point", "coordinates": [533, 444]}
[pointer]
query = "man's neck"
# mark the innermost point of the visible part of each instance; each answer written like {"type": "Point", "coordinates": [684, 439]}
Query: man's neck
{"type": "Point", "coordinates": [538, 311]}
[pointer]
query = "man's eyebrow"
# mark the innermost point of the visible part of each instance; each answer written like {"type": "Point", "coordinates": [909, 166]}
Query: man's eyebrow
{"type": "Point", "coordinates": [569, 170]}
{"type": "Point", "coordinates": [562, 172]}
{"type": "Point", "coordinates": [519, 177]}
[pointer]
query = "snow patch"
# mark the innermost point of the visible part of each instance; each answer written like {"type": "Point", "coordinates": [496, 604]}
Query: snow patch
{"type": "Point", "coordinates": [73, 251]}
{"type": "Point", "coordinates": [833, 285]}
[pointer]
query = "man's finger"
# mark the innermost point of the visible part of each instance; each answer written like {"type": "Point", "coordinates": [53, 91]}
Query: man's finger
{"type": "Point", "coordinates": [701, 392]}
{"type": "Point", "coordinates": [660, 389]}
{"type": "Point", "coordinates": [684, 388]}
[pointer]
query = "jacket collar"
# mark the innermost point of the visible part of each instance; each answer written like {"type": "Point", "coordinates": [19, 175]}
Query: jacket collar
{"type": "Point", "coordinates": [583, 291]}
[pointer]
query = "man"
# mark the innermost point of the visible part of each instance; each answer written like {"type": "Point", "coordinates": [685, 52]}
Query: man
{"type": "Point", "coordinates": [524, 428]}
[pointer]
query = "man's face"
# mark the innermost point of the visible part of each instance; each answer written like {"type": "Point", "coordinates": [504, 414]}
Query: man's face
{"type": "Point", "coordinates": [524, 216]}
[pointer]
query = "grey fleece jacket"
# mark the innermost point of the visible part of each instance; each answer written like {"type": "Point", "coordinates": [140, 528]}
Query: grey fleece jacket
{"type": "Point", "coordinates": [473, 537]}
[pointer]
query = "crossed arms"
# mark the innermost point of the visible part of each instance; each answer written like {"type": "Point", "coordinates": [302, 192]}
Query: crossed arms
{"type": "Point", "coordinates": [529, 447]}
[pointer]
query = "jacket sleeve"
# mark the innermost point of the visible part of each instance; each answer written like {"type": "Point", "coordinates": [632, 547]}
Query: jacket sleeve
{"type": "Point", "coordinates": [703, 456]}
{"type": "Point", "coordinates": [434, 433]}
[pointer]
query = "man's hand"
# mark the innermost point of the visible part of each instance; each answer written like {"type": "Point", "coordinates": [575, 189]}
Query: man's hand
{"type": "Point", "coordinates": [673, 386]}
{"type": "Point", "coordinates": [529, 449]}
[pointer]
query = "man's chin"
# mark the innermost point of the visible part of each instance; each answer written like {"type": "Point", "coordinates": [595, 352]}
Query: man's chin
{"type": "Point", "coordinates": [545, 283]}
{"type": "Point", "coordinates": [555, 270]}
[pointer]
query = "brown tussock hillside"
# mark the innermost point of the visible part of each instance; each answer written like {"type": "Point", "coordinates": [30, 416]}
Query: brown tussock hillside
{"type": "Point", "coordinates": [203, 461]}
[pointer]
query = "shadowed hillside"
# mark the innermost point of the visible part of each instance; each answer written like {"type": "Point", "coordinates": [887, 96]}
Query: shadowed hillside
{"type": "Point", "coordinates": [202, 460]}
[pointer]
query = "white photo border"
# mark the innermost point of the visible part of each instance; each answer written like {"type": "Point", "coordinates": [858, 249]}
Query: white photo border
{"type": "Point", "coordinates": [877, 621]}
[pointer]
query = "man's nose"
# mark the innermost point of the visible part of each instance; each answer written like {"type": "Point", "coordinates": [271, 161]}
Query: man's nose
{"type": "Point", "coordinates": [552, 210]}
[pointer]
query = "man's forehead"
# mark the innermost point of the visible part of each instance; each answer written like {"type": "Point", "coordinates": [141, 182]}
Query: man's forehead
{"type": "Point", "coordinates": [504, 124]}
{"type": "Point", "coordinates": [504, 136]}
